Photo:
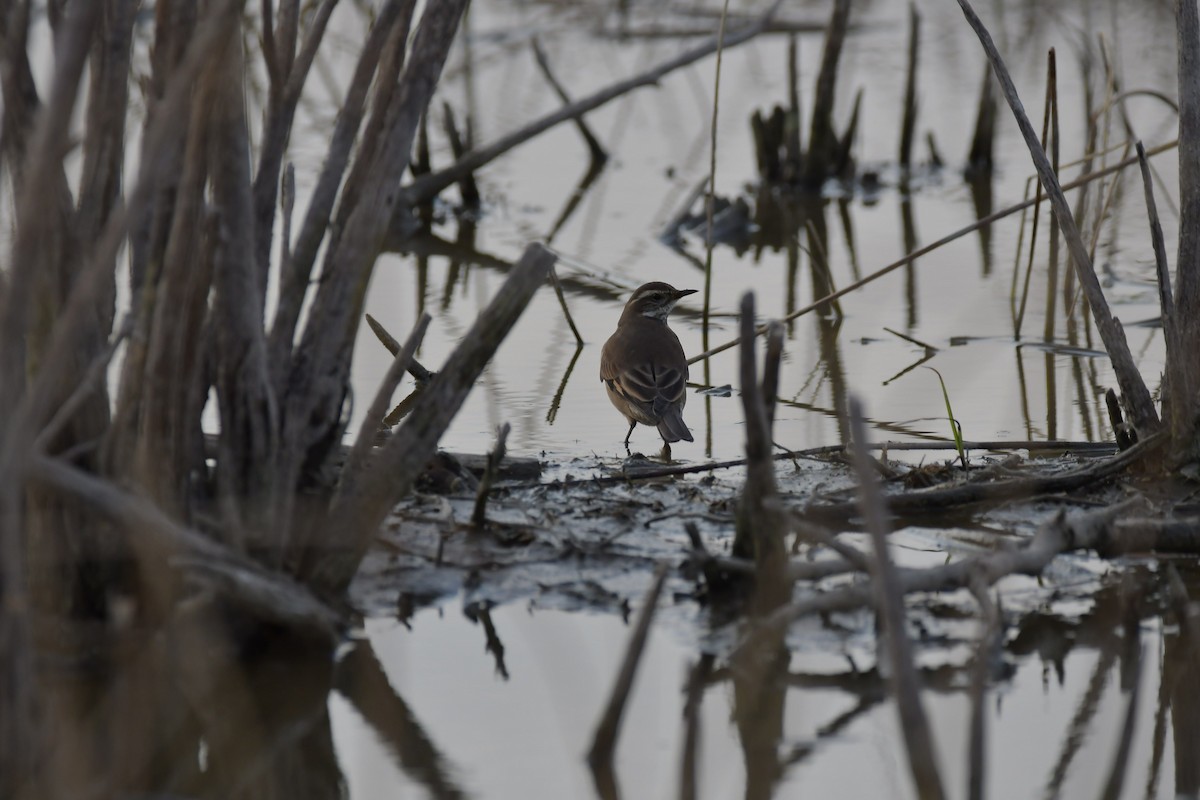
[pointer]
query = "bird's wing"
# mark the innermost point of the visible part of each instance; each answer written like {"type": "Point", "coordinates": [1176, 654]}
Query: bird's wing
{"type": "Point", "coordinates": [653, 387]}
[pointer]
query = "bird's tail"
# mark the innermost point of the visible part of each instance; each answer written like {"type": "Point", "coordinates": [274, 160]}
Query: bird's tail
{"type": "Point", "coordinates": [672, 428]}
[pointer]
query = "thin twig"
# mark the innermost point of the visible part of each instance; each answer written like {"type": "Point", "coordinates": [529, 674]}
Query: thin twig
{"type": "Point", "coordinates": [387, 340]}
{"type": "Point", "coordinates": [95, 373]}
{"type": "Point", "coordinates": [357, 458]}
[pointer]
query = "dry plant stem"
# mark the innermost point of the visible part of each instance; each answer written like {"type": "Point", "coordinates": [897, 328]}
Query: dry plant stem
{"type": "Point", "coordinates": [286, 86]}
{"type": "Point", "coordinates": [710, 200]}
{"type": "Point", "coordinates": [270, 594]}
{"type": "Point", "coordinates": [320, 364]}
{"type": "Point", "coordinates": [771, 362]}
{"type": "Point", "coordinates": [1037, 206]}
{"type": "Point", "coordinates": [909, 122]}
{"type": "Point", "coordinates": [419, 373]}
{"type": "Point", "coordinates": [604, 742]}
{"type": "Point", "coordinates": [1165, 300]}
{"type": "Point", "coordinates": [35, 205]}
{"type": "Point", "coordinates": [479, 514]}
{"type": "Point", "coordinates": [759, 523]}
{"type": "Point", "coordinates": [95, 374]}
{"type": "Point", "coordinates": [359, 513]}
{"type": "Point", "coordinates": [979, 157]}
{"type": "Point", "coordinates": [468, 190]}
{"type": "Point", "coordinates": [245, 397]}
{"type": "Point", "coordinates": [889, 605]}
{"type": "Point", "coordinates": [1187, 279]}
{"type": "Point", "coordinates": [598, 153]}
{"type": "Point", "coordinates": [391, 23]}
{"type": "Point", "coordinates": [1133, 389]}
{"type": "Point", "coordinates": [924, 251]}
{"type": "Point", "coordinates": [104, 140]}
{"type": "Point", "coordinates": [1182, 380]}
{"type": "Point", "coordinates": [359, 455]}
{"type": "Point", "coordinates": [427, 187]}
{"type": "Point", "coordinates": [55, 370]}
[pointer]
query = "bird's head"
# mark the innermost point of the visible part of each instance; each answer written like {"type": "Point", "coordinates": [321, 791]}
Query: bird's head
{"type": "Point", "coordinates": [654, 300]}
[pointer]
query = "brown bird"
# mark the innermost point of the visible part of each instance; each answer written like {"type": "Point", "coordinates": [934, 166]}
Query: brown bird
{"type": "Point", "coordinates": [643, 366]}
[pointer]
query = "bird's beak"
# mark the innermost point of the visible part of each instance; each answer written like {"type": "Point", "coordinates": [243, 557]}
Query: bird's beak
{"type": "Point", "coordinates": [684, 292]}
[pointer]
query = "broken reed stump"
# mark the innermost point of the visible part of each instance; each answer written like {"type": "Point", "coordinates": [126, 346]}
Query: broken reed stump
{"type": "Point", "coordinates": [980, 160]}
{"type": "Point", "coordinates": [908, 124]}
{"type": "Point", "coordinates": [822, 141]}
{"type": "Point", "coordinates": [479, 514]}
{"type": "Point", "coordinates": [760, 524]}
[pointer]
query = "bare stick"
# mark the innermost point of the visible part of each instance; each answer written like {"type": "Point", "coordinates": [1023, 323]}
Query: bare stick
{"type": "Point", "coordinates": [269, 593]}
{"type": "Point", "coordinates": [294, 282]}
{"type": "Point", "coordinates": [604, 742]}
{"type": "Point", "coordinates": [479, 514]}
{"type": "Point", "coordinates": [1166, 303]}
{"type": "Point", "coordinates": [924, 251]}
{"type": "Point", "coordinates": [1133, 389]}
{"type": "Point", "coordinates": [357, 459]}
{"type": "Point", "coordinates": [387, 340]}
{"type": "Point", "coordinates": [95, 374]}
{"type": "Point", "coordinates": [889, 604]}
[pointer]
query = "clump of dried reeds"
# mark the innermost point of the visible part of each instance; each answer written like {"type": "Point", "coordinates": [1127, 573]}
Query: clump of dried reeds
{"type": "Point", "coordinates": [120, 498]}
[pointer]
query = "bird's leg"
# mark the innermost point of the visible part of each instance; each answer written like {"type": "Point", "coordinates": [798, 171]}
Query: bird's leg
{"type": "Point", "coordinates": [632, 425]}
{"type": "Point", "coordinates": [666, 452]}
